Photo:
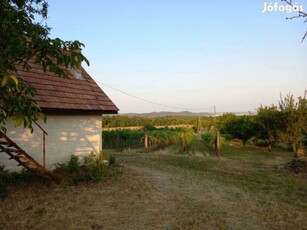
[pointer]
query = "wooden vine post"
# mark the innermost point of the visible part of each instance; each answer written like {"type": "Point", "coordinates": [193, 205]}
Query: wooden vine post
{"type": "Point", "coordinates": [145, 139]}
{"type": "Point", "coordinates": [217, 151]}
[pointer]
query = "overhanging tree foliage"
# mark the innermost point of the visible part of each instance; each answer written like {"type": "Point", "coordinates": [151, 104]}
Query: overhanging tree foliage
{"type": "Point", "coordinates": [23, 38]}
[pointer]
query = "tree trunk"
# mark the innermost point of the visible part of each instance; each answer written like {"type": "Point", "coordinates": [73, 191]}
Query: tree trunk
{"type": "Point", "coordinates": [217, 144]}
{"type": "Point", "coordinates": [300, 152]}
{"type": "Point", "coordinates": [146, 141]}
{"type": "Point", "coordinates": [242, 143]}
{"type": "Point", "coordinates": [270, 147]}
{"type": "Point", "coordinates": [294, 147]}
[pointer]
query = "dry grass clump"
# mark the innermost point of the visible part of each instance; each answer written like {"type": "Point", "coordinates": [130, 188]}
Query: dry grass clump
{"type": "Point", "coordinates": [296, 165]}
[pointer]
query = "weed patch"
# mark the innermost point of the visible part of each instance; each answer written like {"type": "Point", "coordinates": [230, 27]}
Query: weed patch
{"type": "Point", "coordinates": [91, 168]}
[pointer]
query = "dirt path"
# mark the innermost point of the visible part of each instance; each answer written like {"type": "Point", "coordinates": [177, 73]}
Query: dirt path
{"type": "Point", "coordinates": [148, 196]}
{"type": "Point", "coordinates": [183, 199]}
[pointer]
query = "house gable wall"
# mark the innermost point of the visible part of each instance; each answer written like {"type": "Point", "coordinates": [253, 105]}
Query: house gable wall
{"type": "Point", "coordinates": [67, 135]}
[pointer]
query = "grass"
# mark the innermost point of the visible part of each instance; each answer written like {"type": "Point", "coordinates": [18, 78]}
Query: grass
{"type": "Point", "coordinates": [243, 189]}
{"type": "Point", "coordinates": [252, 169]}
{"type": "Point", "coordinates": [243, 182]}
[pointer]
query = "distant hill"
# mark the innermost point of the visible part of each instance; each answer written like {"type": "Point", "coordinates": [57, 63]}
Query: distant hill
{"type": "Point", "coordinates": [165, 113]}
{"type": "Point", "coordinates": [183, 114]}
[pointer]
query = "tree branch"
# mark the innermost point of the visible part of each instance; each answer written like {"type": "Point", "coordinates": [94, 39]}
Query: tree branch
{"type": "Point", "coordinates": [301, 14]}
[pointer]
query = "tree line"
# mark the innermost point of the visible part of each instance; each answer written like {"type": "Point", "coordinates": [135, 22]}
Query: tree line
{"type": "Point", "coordinates": [284, 123]}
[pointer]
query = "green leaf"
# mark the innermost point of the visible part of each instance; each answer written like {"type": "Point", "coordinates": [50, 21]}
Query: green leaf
{"type": "Point", "coordinates": [17, 121]}
{"type": "Point", "coordinates": [4, 80]}
{"type": "Point", "coordinates": [27, 122]}
{"type": "Point", "coordinates": [15, 80]}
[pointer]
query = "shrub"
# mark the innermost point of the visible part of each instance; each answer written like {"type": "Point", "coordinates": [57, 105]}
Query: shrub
{"type": "Point", "coordinates": [208, 138]}
{"type": "Point", "coordinates": [22, 178]}
{"type": "Point", "coordinates": [3, 182]}
{"type": "Point", "coordinates": [92, 168]}
{"type": "Point", "coordinates": [73, 165]}
{"type": "Point", "coordinates": [227, 136]}
{"type": "Point", "coordinates": [112, 160]}
{"type": "Point", "coordinates": [149, 127]}
{"type": "Point", "coordinates": [261, 143]}
{"type": "Point", "coordinates": [187, 137]}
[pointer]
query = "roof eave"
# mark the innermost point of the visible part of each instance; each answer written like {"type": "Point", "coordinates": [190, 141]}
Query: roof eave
{"type": "Point", "coordinates": [51, 111]}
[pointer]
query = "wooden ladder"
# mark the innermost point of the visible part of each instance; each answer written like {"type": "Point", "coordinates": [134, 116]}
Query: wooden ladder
{"type": "Point", "coordinates": [15, 152]}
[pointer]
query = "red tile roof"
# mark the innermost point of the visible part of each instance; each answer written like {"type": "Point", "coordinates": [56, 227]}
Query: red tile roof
{"type": "Point", "coordinates": [54, 93]}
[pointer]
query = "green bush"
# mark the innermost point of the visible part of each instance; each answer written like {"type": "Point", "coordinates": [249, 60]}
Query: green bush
{"type": "Point", "coordinates": [3, 182]}
{"type": "Point", "coordinates": [112, 160]}
{"type": "Point", "coordinates": [73, 165]}
{"type": "Point", "coordinates": [94, 172]}
{"type": "Point", "coordinates": [92, 168]}
{"type": "Point", "coordinates": [21, 178]}
{"type": "Point", "coordinates": [208, 138]}
{"type": "Point", "coordinates": [227, 136]}
{"type": "Point", "coordinates": [187, 137]}
{"type": "Point", "coordinates": [149, 127]}
{"type": "Point", "coordinates": [261, 143]}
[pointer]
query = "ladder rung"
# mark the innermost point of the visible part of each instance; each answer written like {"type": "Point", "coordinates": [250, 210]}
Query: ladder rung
{"type": "Point", "coordinates": [12, 150]}
{"type": "Point", "coordinates": [4, 143]}
{"type": "Point", "coordinates": [23, 159]}
{"type": "Point", "coordinates": [31, 165]}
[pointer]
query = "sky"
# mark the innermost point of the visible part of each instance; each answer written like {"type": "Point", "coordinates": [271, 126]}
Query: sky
{"type": "Point", "coordinates": [187, 55]}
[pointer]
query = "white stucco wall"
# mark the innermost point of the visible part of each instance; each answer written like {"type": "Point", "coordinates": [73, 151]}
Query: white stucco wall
{"type": "Point", "coordinates": [67, 135]}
